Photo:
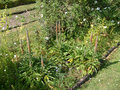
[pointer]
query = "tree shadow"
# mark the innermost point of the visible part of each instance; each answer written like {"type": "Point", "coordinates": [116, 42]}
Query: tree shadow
{"type": "Point", "coordinates": [106, 63]}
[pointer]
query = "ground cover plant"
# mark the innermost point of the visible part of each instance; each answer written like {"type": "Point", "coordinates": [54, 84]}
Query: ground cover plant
{"type": "Point", "coordinates": [65, 43]}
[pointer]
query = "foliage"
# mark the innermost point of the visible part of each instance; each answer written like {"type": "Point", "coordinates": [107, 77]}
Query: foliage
{"type": "Point", "coordinates": [74, 15]}
{"type": "Point", "coordinates": [72, 37]}
{"type": "Point", "coordinates": [7, 69]}
{"type": "Point", "coordinates": [35, 76]}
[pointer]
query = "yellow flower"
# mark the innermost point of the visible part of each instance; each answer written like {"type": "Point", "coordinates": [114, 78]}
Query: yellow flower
{"type": "Point", "coordinates": [91, 25]}
{"type": "Point", "coordinates": [70, 60]}
{"type": "Point", "coordinates": [46, 77]}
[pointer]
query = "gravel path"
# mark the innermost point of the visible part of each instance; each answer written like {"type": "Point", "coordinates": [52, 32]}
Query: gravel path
{"type": "Point", "coordinates": [19, 19]}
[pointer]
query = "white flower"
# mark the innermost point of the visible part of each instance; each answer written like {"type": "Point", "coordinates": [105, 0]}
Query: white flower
{"type": "Point", "coordinates": [59, 65]}
{"type": "Point", "coordinates": [42, 6]}
{"type": "Point", "coordinates": [16, 16]}
{"type": "Point", "coordinates": [98, 8]}
{"type": "Point", "coordinates": [105, 26]}
{"type": "Point", "coordinates": [65, 12]}
{"type": "Point", "coordinates": [37, 78]}
{"type": "Point", "coordinates": [98, 18]}
{"type": "Point", "coordinates": [91, 25]}
{"type": "Point", "coordinates": [108, 7]}
{"type": "Point", "coordinates": [46, 38]}
{"type": "Point", "coordinates": [77, 47]}
{"type": "Point", "coordinates": [3, 28]}
{"type": "Point", "coordinates": [41, 15]}
{"type": "Point", "coordinates": [15, 43]}
{"type": "Point", "coordinates": [84, 19]}
{"type": "Point", "coordinates": [92, 9]}
{"type": "Point", "coordinates": [95, 2]}
{"type": "Point", "coordinates": [4, 70]}
{"type": "Point", "coordinates": [14, 56]}
{"type": "Point", "coordinates": [105, 8]}
{"type": "Point", "coordinates": [99, 80]}
{"type": "Point", "coordinates": [112, 21]}
{"type": "Point", "coordinates": [6, 54]}
{"type": "Point", "coordinates": [118, 22]}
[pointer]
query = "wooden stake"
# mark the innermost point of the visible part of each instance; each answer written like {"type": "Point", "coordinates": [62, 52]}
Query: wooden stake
{"type": "Point", "coordinates": [96, 43]}
{"type": "Point", "coordinates": [59, 27]}
{"type": "Point", "coordinates": [91, 37]}
{"type": "Point", "coordinates": [42, 63]}
{"type": "Point", "coordinates": [28, 42]}
{"type": "Point", "coordinates": [56, 31]}
{"type": "Point", "coordinates": [21, 47]}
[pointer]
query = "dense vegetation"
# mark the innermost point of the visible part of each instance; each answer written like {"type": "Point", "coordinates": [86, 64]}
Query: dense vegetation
{"type": "Point", "coordinates": [68, 43]}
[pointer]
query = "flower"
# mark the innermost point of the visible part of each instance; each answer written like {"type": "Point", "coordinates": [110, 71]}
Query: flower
{"type": "Point", "coordinates": [92, 9]}
{"type": "Point", "coordinates": [14, 56]}
{"type": "Point", "coordinates": [59, 65]}
{"type": "Point", "coordinates": [4, 70]}
{"type": "Point", "coordinates": [77, 47]}
{"type": "Point", "coordinates": [98, 18]}
{"type": "Point", "coordinates": [91, 25]}
{"type": "Point", "coordinates": [15, 43]}
{"type": "Point", "coordinates": [65, 12]}
{"type": "Point", "coordinates": [112, 21]}
{"type": "Point", "coordinates": [98, 8]}
{"type": "Point", "coordinates": [42, 6]}
{"type": "Point", "coordinates": [3, 28]}
{"type": "Point", "coordinates": [6, 54]}
{"type": "Point", "coordinates": [108, 7]}
{"type": "Point", "coordinates": [118, 22]}
{"type": "Point", "coordinates": [41, 15]}
{"type": "Point", "coordinates": [105, 26]}
{"type": "Point", "coordinates": [70, 69]}
{"type": "Point", "coordinates": [95, 2]}
{"type": "Point", "coordinates": [46, 38]}
{"type": "Point", "coordinates": [70, 60]}
{"type": "Point", "coordinates": [56, 70]}
{"type": "Point", "coordinates": [16, 16]}
{"type": "Point", "coordinates": [37, 78]}
{"type": "Point", "coordinates": [105, 8]}
{"type": "Point", "coordinates": [84, 19]}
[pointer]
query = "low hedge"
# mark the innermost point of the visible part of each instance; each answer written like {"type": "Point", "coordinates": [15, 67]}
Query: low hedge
{"type": "Point", "coordinates": [13, 3]}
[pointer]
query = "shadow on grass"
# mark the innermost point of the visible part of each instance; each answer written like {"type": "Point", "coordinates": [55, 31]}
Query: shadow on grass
{"type": "Point", "coordinates": [106, 63]}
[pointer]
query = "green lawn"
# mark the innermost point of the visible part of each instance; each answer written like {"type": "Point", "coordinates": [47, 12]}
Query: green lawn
{"type": "Point", "coordinates": [108, 78]}
{"type": "Point", "coordinates": [19, 8]}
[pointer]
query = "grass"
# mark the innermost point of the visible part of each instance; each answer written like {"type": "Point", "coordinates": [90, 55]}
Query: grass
{"type": "Point", "coordinates": [108, 78]}
{"type": "Point", "coordinates": [19, 8]}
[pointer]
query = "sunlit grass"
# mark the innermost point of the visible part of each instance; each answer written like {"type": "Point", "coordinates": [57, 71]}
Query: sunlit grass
{"type": "Point", "coordinates": [19, 8]}
{"type": "Point", "coordinates": [108, 78]}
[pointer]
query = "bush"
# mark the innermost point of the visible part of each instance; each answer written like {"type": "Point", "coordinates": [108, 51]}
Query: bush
{"type": "Point", "coordinates": [76, 15]}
